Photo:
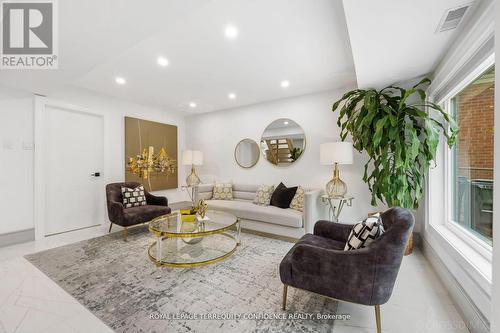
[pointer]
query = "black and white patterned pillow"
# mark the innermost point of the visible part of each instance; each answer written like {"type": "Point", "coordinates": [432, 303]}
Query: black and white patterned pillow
{"type": "Point", "coordinates": [133, 197]}
{"type": "Point", "coordinates": [364, 233]}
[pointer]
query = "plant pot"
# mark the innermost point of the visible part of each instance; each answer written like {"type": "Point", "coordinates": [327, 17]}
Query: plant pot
{"type": "Point", "coordinates": [409, 246]}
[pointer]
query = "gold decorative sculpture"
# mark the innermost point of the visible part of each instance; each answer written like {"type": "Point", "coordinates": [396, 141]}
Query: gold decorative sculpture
{"type": "Point", "coordinates": [145, 164]}
{"type": "Point", "coordinates": [202, 208]}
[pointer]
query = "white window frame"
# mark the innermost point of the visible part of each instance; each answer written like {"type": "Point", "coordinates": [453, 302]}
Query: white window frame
{"type": "Point", "coordinates": [481, 247]}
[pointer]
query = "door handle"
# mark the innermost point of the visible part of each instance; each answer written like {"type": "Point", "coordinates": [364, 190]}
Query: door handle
{"type": "Point", "coordinates": [96, 174]}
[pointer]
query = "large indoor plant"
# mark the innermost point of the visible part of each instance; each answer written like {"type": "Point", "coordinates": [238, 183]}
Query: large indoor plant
{"type": "Point", "coordinates": [392, 126]}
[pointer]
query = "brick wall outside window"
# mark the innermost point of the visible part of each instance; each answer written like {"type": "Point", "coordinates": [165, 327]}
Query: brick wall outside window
{"type": "Point", "coordinates": [473, 167]}
{"type": "Point", "coordinates": [475, 113]}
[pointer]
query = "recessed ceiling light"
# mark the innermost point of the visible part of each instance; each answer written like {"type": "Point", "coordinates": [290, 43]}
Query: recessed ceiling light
{"type": "Point", "coordinates": [120, 80]}
{"type": "Point", "coordinates": [231, 96]}
{"type": "Point", "coordinates": [162, 61]}
{"type": "Point", "coordinates": [285, 84]}
{"type": "Point", "coordinates": [192, 104]}
{"type": "Point", "coordinates": [231, 32]}
{"type": "Point", "coordinates": [285, 122]}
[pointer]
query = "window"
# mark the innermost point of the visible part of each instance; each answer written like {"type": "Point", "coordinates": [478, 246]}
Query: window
{"type": "Point", "coordinates": [472, 157]}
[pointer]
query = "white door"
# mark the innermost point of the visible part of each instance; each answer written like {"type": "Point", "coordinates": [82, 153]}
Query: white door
{"type": "Point", "coordinates": [74, 192]}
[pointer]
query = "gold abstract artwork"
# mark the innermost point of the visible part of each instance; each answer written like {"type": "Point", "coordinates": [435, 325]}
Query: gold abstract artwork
{"type": "Point", "coordinates": [151, 154]}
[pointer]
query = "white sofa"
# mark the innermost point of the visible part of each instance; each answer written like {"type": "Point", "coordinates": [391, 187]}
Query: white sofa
{"type": "Point", "coordinates": [268, 219]}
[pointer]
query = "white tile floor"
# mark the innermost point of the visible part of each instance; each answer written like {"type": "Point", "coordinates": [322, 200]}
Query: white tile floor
{"type": "Point", "coordinates": [31, 302]}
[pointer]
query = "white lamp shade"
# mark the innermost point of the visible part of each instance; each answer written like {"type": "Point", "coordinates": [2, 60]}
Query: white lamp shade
{"type": "Point", "coordinates": [192, 157]}
{"type": "Point", "coordinates": [336, 152]}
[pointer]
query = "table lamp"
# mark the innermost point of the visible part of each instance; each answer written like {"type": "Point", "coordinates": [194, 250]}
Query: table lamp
{"type": "Point", "coordinates": [335, 153]}
{"type": "Point", "coordinates": [192, 157]}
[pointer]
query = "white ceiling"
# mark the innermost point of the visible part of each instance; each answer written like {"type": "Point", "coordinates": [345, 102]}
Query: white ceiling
{"type": "Point", "coordinates": [395, 40]}
{"type": "Point", "coordinates": [301, 41]}
{"type": "Point", "coordinates": [95, 31]}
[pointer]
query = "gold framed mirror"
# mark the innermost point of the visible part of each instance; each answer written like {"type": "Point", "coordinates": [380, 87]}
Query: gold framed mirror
{"type": "Point", "coordinates": [247, 153]}
{"type": "Point", "coordinates": [283, 142]}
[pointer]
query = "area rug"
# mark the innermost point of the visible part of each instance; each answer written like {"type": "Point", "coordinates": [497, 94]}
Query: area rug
{"type": "Point", "coordinates": [117, 282]}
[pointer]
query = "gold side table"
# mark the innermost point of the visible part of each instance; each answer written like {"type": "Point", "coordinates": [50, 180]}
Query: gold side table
{"type": "Point", "coordinates": [335, 205]}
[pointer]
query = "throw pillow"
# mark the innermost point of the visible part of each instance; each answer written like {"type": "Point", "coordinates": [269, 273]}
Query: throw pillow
{"type": "Point", "coordinates": [298, 200]}
{"type": "Point", "coordinates": [282, 196]}
{"type": "Point", "coordinates": [223, 192]}
{"type": "Point", "coordinates": [263, 195]}
{"type": "Point", "coordinates": [364, 233]}
{"type": "Point", "coordinates": [133, 197]}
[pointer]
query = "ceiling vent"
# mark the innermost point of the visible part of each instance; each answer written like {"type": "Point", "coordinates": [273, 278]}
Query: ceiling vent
{"type": "Point", "coordinates": [452, 18]}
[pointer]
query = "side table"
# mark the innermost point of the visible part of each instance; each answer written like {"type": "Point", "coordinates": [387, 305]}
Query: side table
{"type": "Point", "coordinates": [336, 204]}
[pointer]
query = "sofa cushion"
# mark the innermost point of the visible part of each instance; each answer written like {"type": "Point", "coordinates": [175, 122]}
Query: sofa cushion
{"type": "Point", "coordinates": [298, 200]}
{"type": "Point", "coordinates": [364, 233]}
{"type": "Point", "coordinates": [282, 196]}
{"type": "Point", "coordinates": [250, 211]}
{"type": "Point", "coordinates": [223, 191]}
{"type": "Point", "coordinates": [133, 197]}
{"type": "Point", "coordinates": [263, 195]}
{"type": "Point", "coordinates": [243, 195]}
{"type": "Point", "coordinates": [245, 188]}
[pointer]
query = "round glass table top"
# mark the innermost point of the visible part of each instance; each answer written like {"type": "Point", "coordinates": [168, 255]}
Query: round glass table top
{"type": "Point", "coordinates": [177, 225]}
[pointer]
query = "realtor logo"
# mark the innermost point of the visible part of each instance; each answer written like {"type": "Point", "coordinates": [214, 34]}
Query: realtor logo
{"type": "Point", "coordinates": [28, 35]}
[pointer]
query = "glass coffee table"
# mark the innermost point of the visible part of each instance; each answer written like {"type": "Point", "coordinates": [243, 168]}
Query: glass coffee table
{"type": "Point", "coordinates": [193, 243]}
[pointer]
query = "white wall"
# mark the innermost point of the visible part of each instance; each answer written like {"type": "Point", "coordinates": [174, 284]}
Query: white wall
{"type": "Point", "coordinates": [16, 160]}
{"type": "Point", "coordinates": [114, 111]}
{"type": "Point", "coordinates": [16, 163]}
{"type": "Point", "coordinates": [217, 133]}
{"type": "Point", "coordinates": [464, 267]}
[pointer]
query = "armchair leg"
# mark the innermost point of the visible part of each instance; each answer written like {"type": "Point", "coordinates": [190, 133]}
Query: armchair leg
{"type": "Point", "coordinates": [125, 233]}
{"type": "Point", "coordinates": [110, 226]}
{"type": "Point", "coordinates": [377, 318]}
{"type": "Point", "coordinates": [285, 291]}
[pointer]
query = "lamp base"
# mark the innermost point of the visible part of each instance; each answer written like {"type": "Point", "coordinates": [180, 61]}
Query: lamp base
{"type": "Point", "coordinates": [336, 188]}
{"type": "Point", "coordinates": [193, 179]}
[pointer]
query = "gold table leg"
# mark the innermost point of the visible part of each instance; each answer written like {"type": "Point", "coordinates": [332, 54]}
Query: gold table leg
{"type": "Point", "coordinates": [377, 318]}
{"type": "Point", "coordinates": [285, 292]}
{"type": "Point", "coordinates": [238, 231]}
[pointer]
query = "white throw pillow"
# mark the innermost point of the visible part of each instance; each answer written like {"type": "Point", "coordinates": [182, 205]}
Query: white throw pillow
{"type": "Point", "coordinates": [223, 192]}
{"type": "Point", "coordinates": [263, 195]}
{"type": "Point", "coordinates": [133, 197]}
{"type": "Point", "coordinates": [364, 233]}
{"type": "Point", "coordinates": [298, 200]}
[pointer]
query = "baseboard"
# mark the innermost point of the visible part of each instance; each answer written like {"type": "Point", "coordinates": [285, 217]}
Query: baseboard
{"type": "Point", "coordinates": [474, 319]}
{"type": "Point", "coordinates": [17, 237]}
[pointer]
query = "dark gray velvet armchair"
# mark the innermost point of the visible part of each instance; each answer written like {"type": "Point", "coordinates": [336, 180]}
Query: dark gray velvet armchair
{"type": "Point", "coordinates": [318, 262]}
{"type": "Point", "coordinates": [127, 217]}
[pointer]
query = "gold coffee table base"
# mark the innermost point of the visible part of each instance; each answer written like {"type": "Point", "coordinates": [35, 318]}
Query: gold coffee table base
{"type": "Point", "coordinates": [194, 263]}
{"type": "Point", "coordinates": [185, 244]}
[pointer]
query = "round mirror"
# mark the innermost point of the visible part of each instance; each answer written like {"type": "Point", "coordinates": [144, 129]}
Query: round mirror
{"type": "Point", "coordinates": [247, 153]}
{"type": "Point", "coordinates": [283, 142]}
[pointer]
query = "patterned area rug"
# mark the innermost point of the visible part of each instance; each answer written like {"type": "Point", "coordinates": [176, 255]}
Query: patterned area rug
{"type": "Point", "coordinates": [117, 282]}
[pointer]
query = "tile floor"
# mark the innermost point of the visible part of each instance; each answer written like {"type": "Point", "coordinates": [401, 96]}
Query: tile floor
{"type": "Point", "coordinates": [31, 302]}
